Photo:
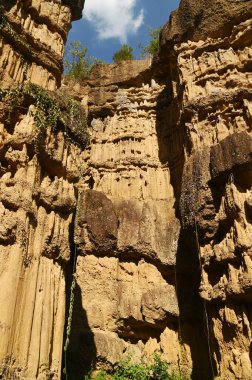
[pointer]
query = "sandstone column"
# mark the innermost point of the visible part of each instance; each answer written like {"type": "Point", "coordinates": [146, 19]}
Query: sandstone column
{"type": "Point", "coordinates": [38, 196]}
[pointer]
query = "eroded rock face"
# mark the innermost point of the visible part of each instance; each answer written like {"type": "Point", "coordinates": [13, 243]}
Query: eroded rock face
{"type": "Point", "coordinates": [173, 150]}
{"type": "Point", "coordinates": [197, 20]}
{"type": "Point", "coordinates": [162, 200]}
{"type": "Point", "coordinates": [127, 231]}
{"type": "Point", "coordinates": [36, 207]}
{"type": "Point", "coordinates": [39, 171]}
{"type": "Point", "coordinates": [33, 34]}
{"type": "Point", "coordinates": [216, 187]}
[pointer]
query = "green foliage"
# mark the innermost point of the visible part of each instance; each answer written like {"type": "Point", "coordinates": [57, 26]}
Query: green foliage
{"type": "Point", "coordinates": [20, 41]}
{"type": "Point", "coordinates": [2, 17]}
{"type": "Point", "coordinates": [124, 54]}
{"type": "Point", "coordinates": [153, 47]}
{"type": "Point", "coordinates": [101, 375]}
{"type": "Point", "coordinates": [127, 370]}
{"type": "Point", "coordinates": [51, 110]}
{"type": "Point", "coordinates": [77, 64]}
{"type": "Point", "coordinates": [159, 369]}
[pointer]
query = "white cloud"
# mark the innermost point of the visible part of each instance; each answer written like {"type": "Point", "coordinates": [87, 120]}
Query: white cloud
{"type": "Point", "coordinates": [113, 18]}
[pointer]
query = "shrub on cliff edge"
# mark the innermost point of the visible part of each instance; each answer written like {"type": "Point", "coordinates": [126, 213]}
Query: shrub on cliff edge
{"type": "Point", "coordinates": [153, 46]}
{"type": "Point", "coordinates": [77, 63]}
{"type": "Point", "coordinates": [124, 54]}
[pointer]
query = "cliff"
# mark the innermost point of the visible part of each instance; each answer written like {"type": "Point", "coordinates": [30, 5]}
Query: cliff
{"type": "Point", "coordinates": [154, 215]}
{"type": "Point", "coordinates": [33, 34]}
{"type": "Point", "coordinates": [164, 265]}
{"type": "Point", "coordinates": [42, 153]}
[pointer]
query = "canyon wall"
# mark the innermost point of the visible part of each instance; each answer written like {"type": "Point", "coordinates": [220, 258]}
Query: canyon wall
{"type": "Point", "coordinates": [33, 34]}
{"type": "Point", "coordinates": [217, 188]}
{"type": "Point", "coordinates": [214, 69]}
{"type": "Point", "coordinates": [127, 231]}
{"type": "Point", "coordinates": [154, 215]}
{"type": "Point", "coordinates": [164, 233]}
{"type": "Point", "coordinates": [40, 166]}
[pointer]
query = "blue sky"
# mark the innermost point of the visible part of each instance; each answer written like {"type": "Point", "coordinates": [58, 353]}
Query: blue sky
{"type": "Point", "coordinates": [106, 24]}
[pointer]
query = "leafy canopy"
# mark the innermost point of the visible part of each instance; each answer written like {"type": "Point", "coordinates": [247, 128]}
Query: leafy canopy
{"type": "Point", "coordinates": [77, 63]}
{"type": "Point", "coordinates": [153, 47]}
{"type": "Point", "coordinates": [124, 54]}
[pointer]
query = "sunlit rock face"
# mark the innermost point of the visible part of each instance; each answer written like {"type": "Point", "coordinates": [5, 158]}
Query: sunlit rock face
{"type": "Point", "coordinates": [38, 198]}
{"type": "Point", "coordinates": [126, 228]}
{"type": "Point", "coordinates": [217, 187]}
{"type": "Point", "coordinates": [170, 196]}
{"type": "Point", "coordinates": [39, 171]}
{"type": "Point", "coordinates": [157, 211]}
{"type": "Point", "coordinates": [33, 34]}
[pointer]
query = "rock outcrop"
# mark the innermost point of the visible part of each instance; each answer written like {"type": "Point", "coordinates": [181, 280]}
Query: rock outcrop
{"type": "Point", "coordinates": [33, 34]}
{"type": "Point", "coordinates": [155, 215]}
{"type": "Point", "coordinates": [42, 157]}
{"type": "Point", "coordinates": [171, 146]}
{"type": "Point", "coordinates": [127, 231]}
{"type": "Point", "coordinates": [216, 186]}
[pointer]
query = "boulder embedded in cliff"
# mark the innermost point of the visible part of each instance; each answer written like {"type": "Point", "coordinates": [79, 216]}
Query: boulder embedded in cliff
{"type": "Point", "coordinates": [235, 150]}
{"type": "Point", "coordinates": [96, 226]}
{"type": "Point", "coordinates": [129, 73]}
{"type": "Point", "coordinates": [127, 228]}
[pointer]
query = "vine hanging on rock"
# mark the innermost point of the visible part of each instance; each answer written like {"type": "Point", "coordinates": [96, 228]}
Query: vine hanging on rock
{"type": "Point", "coordinates": [51, 110]}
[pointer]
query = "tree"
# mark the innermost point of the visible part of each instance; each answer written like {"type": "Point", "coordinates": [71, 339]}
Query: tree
{"type": "Point", "coordinates": [124, 54]}
{"type": "Point", "coordinates": [77, 64]}
{"type": "Point", "coordinates": [153, 46]}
